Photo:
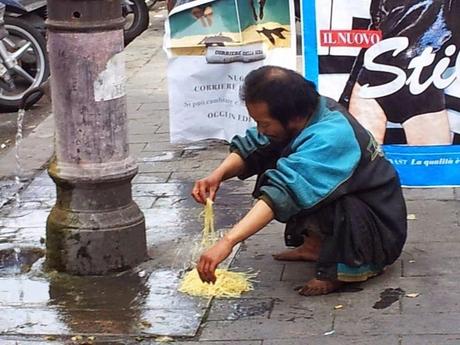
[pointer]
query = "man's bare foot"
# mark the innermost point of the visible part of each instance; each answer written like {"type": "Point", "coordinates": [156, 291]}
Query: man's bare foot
{"type": "Point", "coordinates": [297, 254]}
{"type": "Point", "coordinates": [316, 287]}
{"type": "Point", "coordinates": [308, 251]}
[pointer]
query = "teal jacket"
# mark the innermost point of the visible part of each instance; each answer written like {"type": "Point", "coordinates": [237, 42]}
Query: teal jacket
{"type": "Point", "coordinates": [332, 156]}
{"type": "Point", "coordinates": [334, 169]}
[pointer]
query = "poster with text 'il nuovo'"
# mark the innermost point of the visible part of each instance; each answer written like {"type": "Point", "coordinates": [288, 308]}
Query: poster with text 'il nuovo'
{"type": "Point", "coordinates": [395, 65]}
{"type": "Point", "coordinates": [212, 46]}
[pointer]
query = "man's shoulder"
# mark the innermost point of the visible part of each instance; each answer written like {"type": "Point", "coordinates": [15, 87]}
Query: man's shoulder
{"type": "Point", "coordinates": [332, 119]}
{"type": "Point", "coordinates": [329, 132]}
{"type": "Point", "coordinates": [333, 105]}
{"type": "Point", "coordinates": [337, 116]}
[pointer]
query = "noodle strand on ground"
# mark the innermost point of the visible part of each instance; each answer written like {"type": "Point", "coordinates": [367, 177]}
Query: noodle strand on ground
{"type": "Point", "coordinates": [228, 284]}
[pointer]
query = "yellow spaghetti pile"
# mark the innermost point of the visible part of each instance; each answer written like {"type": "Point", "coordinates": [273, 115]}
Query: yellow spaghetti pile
{"type": "Point", "coordinates": [228, 284]}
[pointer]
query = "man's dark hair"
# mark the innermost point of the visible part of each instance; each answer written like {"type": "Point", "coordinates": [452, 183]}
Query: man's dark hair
{"type": "Point", "coordinates": [287, 93]}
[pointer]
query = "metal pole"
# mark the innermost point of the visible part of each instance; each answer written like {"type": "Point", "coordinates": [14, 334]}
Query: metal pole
{"type": "Point", "coordinates": [95, 226]}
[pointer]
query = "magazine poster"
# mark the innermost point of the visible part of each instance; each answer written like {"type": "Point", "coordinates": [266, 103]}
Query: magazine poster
{"type": "Point", "coordinates": [394, 64]}
{"type": "Point", "coordinates": [211, 47]}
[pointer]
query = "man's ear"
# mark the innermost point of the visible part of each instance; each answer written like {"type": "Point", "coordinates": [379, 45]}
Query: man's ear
{"type": "Point", "coordinates": [296, 122]}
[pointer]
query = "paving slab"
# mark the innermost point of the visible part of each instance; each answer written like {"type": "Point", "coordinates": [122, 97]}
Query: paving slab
{"type": "Point", "coordinates": [429, 194]}
{"type": "Point", "coordinates": [337, 340]}
{"type": "Point", "coordinates": [426, 228]}
{"type": "Point", "coordinates": [240, 309]}
{"type": "Point", "coordinates": [457, 193]}
{"type": "Point", "coordinates": [264, 273]}
{"type": "Point", "coordinates": [299, 271]}
{"type": "Point", "coordinates": [266, 329]}
{"type": "Point", "coordinates": [404, 324]}
{"type": "Point", "coordinates": [427, 339]}
{"type": "Point", "coordinates": [226, 342]}
{"type": "Point", "coordinates": [432, 294]}
{"type": "Point", "coordinates": [5, 341]}
{"type": "Point", "coordinates": [431, 264]}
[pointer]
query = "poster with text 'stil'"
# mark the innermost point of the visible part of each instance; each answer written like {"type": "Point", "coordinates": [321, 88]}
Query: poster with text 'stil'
{"type": "Point", "coordinates": [211, 47]}
{"type": "Point", "coordinates": [395, 65]}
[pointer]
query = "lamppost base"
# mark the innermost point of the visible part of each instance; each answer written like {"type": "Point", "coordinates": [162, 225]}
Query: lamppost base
{"type": "Point", "coordinates": [95, 228]}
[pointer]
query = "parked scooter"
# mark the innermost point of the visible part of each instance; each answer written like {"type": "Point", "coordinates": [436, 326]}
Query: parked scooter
{"type": "Point", "coordinates": [23, 60]}
{"type": "Point", "coordinates": [31, 11]}
{"type": "Point", "coordinates": [136, 14]}
{"type": "Point", "coordinates": [34, 12]}
{"type": "Point", "coordinates": [151, 3]}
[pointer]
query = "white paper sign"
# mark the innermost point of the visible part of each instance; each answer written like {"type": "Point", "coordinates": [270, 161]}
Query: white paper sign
{"type": "Point", "coordinates": [212, 46]}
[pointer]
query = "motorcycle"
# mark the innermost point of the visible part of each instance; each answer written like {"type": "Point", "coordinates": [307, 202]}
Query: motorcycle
{"type": "Point", "coordinates": [23, 60]}
{"type": "Point", "coordinates": [136, 13]}
{"type": "Point", "coordinates": [151, 3]}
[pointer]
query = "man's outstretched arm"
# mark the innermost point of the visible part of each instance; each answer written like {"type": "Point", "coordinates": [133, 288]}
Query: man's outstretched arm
{"type": "Point", "coordinates": [258, 217]}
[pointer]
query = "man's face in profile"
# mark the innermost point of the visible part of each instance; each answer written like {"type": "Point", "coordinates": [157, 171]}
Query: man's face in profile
{"type": "Point", "coordinates": [266, 124]}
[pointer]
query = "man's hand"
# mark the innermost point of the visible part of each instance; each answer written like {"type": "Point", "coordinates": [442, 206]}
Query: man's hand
{"type": "Point", "coordinates": [259, 216]}
{"type": "Point", "coordinates": [206, 188]}
{"type": "Point", "coordinates": [211, 258]}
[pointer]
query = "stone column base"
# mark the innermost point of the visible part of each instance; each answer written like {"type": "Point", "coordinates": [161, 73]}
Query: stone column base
{"type": "Point", "coordinates": [95, 228]}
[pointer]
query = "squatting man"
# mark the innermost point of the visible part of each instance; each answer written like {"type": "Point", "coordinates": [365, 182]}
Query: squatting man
{"type": "Point", "coordinates": [320, 172]}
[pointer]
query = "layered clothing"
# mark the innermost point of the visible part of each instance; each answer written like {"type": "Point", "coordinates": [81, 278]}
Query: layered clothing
{"type": "Point", "coordinates": [331, 178]}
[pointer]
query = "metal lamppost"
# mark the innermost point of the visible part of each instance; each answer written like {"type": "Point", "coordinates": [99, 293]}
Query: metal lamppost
{"type": "Point", "coordinates": [95, 226]}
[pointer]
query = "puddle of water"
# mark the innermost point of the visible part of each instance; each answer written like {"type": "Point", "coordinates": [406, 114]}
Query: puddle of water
{"type": "Point", "coordinates": [88, 305]}
{"type": "Point", "coordinates": [144, 300]}
{"type": "Point", "coordinates": [32, 321]}
{"type": "Point", "coordinates": [388, 297]}
{"type": "Point", "coordinates": [26, 218]}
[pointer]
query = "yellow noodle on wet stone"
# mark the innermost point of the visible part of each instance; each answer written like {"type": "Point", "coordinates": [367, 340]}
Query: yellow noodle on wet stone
{"type": "Point", "coordinates": [209, 236]}
{"type": "Point", "coordinates": [228, 284]}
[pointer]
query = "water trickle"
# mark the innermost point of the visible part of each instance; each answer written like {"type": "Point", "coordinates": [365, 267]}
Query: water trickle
{"type": "Point", "coordinates": [17, 251]}
{"type": "Point", "coordinates": [18, 177]}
